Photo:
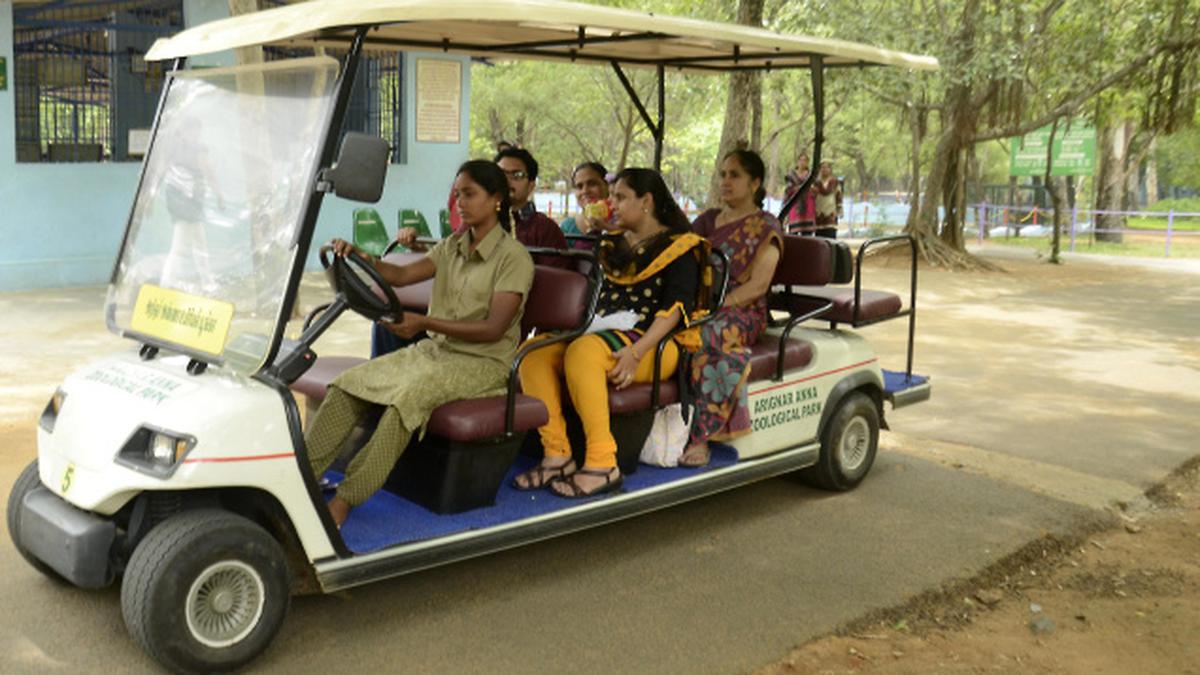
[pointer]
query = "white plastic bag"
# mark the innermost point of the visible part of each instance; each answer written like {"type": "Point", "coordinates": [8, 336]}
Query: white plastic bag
{"type": "Point", "coordinates": [623, 320]}
{"type": "Point", "coordinates": [667, 438]}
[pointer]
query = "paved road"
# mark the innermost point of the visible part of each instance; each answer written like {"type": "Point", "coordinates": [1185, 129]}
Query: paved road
{"type": "Point", "coordinates": [1057, 393]}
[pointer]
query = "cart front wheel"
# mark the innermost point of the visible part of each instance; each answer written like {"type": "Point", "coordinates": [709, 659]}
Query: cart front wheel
{"type": "Point", "coordinates": [205, 590]}
{"type": "Point", "coordinates": [848, 445]}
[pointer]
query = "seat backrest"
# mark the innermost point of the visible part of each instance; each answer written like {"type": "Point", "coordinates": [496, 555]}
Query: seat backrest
{"type": "Point", "coordinates": [558, 300]}
{"type": "Point", "coordinates": [843, 262]}
{"type": "Point", "coordinates": [370, 235]}
{"type": "Point", "coordinates": [415, 297]}
{"type": "Point", "coordinates": [806, 261]}
{"type": "Point", "coordinates": [444, 222]}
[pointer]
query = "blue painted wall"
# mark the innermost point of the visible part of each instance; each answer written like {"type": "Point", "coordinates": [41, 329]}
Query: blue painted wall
{"type": "Point", "coordinates": [61, 224]}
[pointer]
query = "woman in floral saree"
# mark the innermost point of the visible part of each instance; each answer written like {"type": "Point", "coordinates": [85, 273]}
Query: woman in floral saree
{"type": "Point", "coordinates": [752, 239]}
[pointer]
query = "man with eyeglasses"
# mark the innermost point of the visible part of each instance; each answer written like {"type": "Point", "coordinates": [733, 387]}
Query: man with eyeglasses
{"type": "Point", "coordinates": [531, 227]}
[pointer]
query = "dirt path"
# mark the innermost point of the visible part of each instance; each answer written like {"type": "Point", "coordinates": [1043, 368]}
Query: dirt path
{"type": "Point", "coordinates": [1121, 594]}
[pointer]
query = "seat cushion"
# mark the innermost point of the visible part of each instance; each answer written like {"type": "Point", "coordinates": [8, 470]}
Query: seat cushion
{"type": "Point", "coordinates": [466, 420]}
{"type": "Point", "coordinates": [875, 304]}
{"type": "Point", "coordinates": [765, 354]}
{"type": "Point", "coordinates": [637, 397]}
{"type": "Point", "coordinates": [477, 419]}
{"type": "Point", "coordinates": [314, 382]}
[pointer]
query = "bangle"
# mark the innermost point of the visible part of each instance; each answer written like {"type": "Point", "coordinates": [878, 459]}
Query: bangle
{"type": "Point", "coordinates": [636, 356]}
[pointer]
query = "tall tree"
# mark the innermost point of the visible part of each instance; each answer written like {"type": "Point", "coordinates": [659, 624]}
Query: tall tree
{"type": "Point", "coordinates": [745, 95]}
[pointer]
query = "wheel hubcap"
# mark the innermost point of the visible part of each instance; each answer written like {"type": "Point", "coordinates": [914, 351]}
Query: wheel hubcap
{"type": "Point", "coordinates": [856, 440]}
{"type": "Point", "coordinates": [225, 603]}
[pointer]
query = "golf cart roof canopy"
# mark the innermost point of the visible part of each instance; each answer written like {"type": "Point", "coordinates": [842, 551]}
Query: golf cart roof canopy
{"type": "Point", "coordinates": [530, 29]}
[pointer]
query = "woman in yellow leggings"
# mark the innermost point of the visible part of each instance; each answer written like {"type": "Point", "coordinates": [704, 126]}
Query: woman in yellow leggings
{"type": "Point", "coordinates": [652, 276]}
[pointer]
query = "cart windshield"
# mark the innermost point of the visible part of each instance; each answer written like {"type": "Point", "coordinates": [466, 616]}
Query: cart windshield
{"type": "Point", "coordinates": [211, 238]}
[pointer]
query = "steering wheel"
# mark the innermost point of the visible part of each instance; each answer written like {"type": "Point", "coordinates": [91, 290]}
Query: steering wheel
{"type": "Point", "coordinates": [364, 290]}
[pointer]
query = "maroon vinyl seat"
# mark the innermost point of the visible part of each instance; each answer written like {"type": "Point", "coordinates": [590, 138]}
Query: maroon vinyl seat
{"type": "Point", "coordinates": [415, 297]}
{"type": "Point", "coordinates": [873, 305]}
{"type": "Point", "coordinates": [557, 302]}
{"type": "Point", "coordinates": [805, 269]}
{"type": "Point", "coordinates": [764, 356]}
{"type": "Point", "coordinates": [465, 421]}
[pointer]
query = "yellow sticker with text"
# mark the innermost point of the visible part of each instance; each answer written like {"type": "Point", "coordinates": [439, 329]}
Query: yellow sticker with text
{"type": "Point", "coordinates": [183, 319]}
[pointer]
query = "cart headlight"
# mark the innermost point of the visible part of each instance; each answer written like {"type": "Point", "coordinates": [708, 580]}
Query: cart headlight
{"type": "Point", "coordinates": [50, 414]}
{"type": "Point", "coordinates": [153, 451]}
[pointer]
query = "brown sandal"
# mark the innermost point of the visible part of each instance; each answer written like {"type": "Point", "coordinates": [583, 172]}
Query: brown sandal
{"type": "Point", "coordinates": [695, 458]}
{"type": "Point", "coordinates": [540, 476]}
{"type": "Point", "coordinates": [571, 489]}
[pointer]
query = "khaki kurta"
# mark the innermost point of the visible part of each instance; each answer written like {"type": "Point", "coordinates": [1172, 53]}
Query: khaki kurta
{"type": "Point", "coordinates": [417, 379]}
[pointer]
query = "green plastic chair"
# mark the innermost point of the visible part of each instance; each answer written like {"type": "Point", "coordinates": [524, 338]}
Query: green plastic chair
{"type": "Point", "coordinates": [416, 220]}
{"type": "Point", "coordinates": [370, 235]}
{"type": "Point", "coordinates": [444, 221]}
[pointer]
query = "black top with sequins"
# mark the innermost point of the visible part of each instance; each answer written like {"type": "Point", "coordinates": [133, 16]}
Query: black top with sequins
{"type": "Point", "coordinates": [675, 283]}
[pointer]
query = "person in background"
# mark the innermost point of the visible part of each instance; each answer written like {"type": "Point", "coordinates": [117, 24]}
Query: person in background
{"type": "Point", "coordinates": [828, 201]}
{"type": "Point", "coordinates": [481, 278]}
{"type": "Point", "coordinates": [531, 227]}
{"type": "Point", "coordinates": [752, 240]}
{"type": "Point", "coordinates": [801, 217]}
{"type": "Point", "coordinates": [591, 195]}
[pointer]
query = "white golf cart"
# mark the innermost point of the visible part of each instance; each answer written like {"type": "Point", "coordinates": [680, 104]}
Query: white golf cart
{"type": "Point", "coordinates": [178, 466]}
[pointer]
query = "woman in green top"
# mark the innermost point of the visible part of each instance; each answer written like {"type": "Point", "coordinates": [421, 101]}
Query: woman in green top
{"type": "Point", "coordinates": [481, 277]}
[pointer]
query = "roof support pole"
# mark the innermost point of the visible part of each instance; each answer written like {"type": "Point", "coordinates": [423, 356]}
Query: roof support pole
{"type": "Point", "coordinates": [817, 69]}
{"type": "Point", "coordinates": [659, 131]}
{"type": "Point", "coordinates": [656, 130]}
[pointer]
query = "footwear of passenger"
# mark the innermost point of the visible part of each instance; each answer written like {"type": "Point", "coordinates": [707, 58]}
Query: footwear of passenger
{"type": "Point", "coordinates": [540, 476]}
{"type": "Point", "coordinates": [569, 489]}
{"type": "Point", "coordinates": [695, 456]}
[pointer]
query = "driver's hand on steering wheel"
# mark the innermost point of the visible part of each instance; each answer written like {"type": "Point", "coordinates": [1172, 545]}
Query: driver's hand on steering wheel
{"type": "Point", "coordinates": [344, 248]}
{"type": "Point", "coordinates": [410, 325]}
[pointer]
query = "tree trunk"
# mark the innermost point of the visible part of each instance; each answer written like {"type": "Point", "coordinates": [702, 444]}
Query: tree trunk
{"type": "Point", "coordinates": [917, 119]}
{"type": "Point", "coordinates": [941, 240]}
{"type": "Point", "coordinates": [1111, 181]}
{"type": "Point", "coordinates": [744, 89]}
{"type": "Point", "coordinates": [1062, 210]}
{"type": "Point", "coordinates": [1152, 173]}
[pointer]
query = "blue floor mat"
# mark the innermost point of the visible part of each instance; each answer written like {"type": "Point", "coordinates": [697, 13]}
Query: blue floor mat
{"type": "Point", "coordinates": [386, 519]}
{"type": "Point", "coordinates": [895, 381]}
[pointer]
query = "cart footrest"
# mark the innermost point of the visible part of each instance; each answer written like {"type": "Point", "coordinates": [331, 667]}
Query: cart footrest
{"type": "Point", "coordinates": [902, 389]}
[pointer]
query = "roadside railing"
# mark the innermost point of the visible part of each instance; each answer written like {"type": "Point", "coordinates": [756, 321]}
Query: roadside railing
{"type": "Point", "coordinates": [1171, 226]}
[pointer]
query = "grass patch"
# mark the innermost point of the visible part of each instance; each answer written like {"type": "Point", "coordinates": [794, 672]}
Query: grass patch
{"type": "Point", "coordinates": [1183, 247]}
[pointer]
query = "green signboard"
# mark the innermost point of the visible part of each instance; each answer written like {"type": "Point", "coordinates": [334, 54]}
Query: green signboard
{"type": "Point", "coordinates": [1074, 152]}
{"type": "Point", "coordinates": [3, 73]}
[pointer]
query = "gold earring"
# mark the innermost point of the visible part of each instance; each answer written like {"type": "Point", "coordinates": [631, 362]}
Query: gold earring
{"type": "Point", "coordinates": [497, 207]}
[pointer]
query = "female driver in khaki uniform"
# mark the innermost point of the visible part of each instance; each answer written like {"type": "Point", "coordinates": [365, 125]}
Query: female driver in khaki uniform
{"type": "Point", "coordinates": [481, 277]}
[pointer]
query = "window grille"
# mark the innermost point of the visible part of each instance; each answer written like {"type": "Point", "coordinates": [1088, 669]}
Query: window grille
{"type": "Point", "coordinates": [377, 101]}
{"type": "Point", "coordinates": [80, 82]}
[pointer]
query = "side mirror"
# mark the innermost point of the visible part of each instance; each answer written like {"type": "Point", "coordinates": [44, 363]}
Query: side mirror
{"type": "Point", "coordinates": [360, 169]}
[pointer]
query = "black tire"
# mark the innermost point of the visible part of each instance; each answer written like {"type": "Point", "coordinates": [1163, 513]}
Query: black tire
{"type": "Point", "coordinates": [848, 445]}
{"type": "Point", "coordinates": [27, 482]}
{"type": "Point", "coordinates": [205, 591]}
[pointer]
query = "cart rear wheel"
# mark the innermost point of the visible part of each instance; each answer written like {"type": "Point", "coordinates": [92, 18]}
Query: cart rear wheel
{"type": "Point", "coordinates": [205, 590]}
{"type": "Point", "coordinates": [27, 482]}
{"type": "Point", "coordinates": [848, 445]}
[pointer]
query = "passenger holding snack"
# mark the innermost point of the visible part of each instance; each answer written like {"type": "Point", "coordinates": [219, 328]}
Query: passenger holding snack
{"type": "Point", "coordinates": [595, 213]}
{"type": "Point", "coordinates": [753, 241]}
{"type": "Point", "coordinates": [481, 279]}
{"type": "Point", "coordinates": [652, 278]}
